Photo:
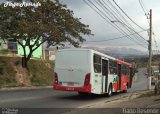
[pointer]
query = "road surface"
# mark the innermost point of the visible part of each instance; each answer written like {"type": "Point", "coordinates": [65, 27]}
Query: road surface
{"type": "Point", "coordinates": [141, 82]}
{"type": "Point", "coordinates": [47, 98]}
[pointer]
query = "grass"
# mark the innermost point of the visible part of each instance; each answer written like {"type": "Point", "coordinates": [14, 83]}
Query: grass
{"type": "Point", "coordinates": [40, 72]}
{"type": "Point", "coordinates": [142, 62]}
{"type": "Point", "coordinates": [4, 51]}
{"type": "Point", "coordinates": [147, 94]}
{"type": "Point", "coordinates": [7, 73]}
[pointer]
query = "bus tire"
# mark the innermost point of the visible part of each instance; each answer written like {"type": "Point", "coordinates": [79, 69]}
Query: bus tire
{"type": "Point", "coordinates": [110, 90]}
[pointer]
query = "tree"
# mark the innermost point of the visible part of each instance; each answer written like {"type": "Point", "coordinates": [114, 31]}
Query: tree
{"type": "Point", "coordinates": [51, 22]}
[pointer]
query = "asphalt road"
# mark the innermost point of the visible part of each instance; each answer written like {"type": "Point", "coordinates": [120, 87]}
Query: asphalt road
{"type": "Point", "coordinates": [141, 82]}
{"type": "Point", "coordinates": [48, 98]}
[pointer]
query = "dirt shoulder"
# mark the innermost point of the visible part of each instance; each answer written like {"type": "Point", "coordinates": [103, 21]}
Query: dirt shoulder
{"type": "Point", "coordinates": [145, 99]}
{"type": "Point", "coordinates": [145, 102]}
{"type": "Point", "coordinates": [130, 103]}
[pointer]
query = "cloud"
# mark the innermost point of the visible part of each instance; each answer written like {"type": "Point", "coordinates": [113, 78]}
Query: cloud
{"type": "Point", "coordinates": [103, 30]}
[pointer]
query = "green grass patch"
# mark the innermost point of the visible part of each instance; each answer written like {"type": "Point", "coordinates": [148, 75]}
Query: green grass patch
{"type": "Point", "coordinates": [7, 82]}
{"type": "Point", "coordinates": [147, 94]}
{"type": "Point", "coordinates": [7, 73]}
{"type": "Point", "coordinates": [4, 51]}
{"type": "Point", "coordinates": [41, 72]}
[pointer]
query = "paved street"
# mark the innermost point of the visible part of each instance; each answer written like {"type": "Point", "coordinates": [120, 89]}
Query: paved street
{"type": "Point", "coordinates": [141, 82]}
{"type": "Point", "coordinates": [47, 98]}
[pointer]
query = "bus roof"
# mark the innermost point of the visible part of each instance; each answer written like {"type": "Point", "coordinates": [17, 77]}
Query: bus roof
{"type": "Point", "coordinates": [99, 53]}
{"type": "Point", "coordinates": [83, 49]}
{"type": "Point", "coordinates": [123, 62]}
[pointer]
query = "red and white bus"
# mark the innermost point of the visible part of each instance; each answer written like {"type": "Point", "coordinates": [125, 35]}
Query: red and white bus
{"type": "Point", "coordinates": [89, 71]}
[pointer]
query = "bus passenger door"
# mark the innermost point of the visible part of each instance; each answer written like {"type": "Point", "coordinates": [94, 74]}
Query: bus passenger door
{"type": "Point", "coordinates": [104, 75]}
{"type": "Point", "coordinates": [119, 77]}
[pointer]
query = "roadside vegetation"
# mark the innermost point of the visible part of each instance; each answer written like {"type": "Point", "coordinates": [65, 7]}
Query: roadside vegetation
{"type": "Point", "coordinates": [4, 52]}
{"type": "Point", "coordinates": [140, 62]}
{"type": "Point", "coordinates": [40, 72]}
{"type": "Point", "coordinates": [147, 94]}
{"type": "Point", "coordinates": [56, 25]}
{"type": "Point", "coordinates": [7, 73]}
{"type": "Point", "coordinates": [154, 92]}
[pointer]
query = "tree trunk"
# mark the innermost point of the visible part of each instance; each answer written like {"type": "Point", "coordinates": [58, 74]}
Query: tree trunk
{"type": "Point", "coordinates": [26, 58]}
{"type": "Point", "coordinates": [24, 62]}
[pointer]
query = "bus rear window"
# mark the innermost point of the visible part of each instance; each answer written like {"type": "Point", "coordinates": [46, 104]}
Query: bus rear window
{"type": "Point", "coordinates": [97, 63]}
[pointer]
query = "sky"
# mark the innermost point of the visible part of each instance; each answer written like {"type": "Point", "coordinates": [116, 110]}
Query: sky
{"type": "Point", "coordinates": [102, 30]}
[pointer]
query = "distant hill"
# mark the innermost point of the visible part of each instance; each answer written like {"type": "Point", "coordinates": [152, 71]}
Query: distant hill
{"type": "Point", "coordinates": [119, 52]}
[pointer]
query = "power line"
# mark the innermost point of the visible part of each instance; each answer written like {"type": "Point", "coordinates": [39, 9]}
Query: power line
{"type": "Point", "coordinates": [97, 12]}
{"type": "Point", "coordinates": [106, 9]}
{"type": "Point", "coordinates": [117, 11]}
{"type": "Point", "coordinates": [127, 15]}
{"type": "Point", "coordinates": [144, 9]}
{"type": "Point", "coordinates": [101, 14]}
{"type": "Point", "coordinates": [114, 38]}
{"type": "Point", "coordinates": [129, 36]}
{"type": "Point", "coordinates": [108, 19]}
{"type": "Point", "coordinates": [136, 33]}
{"type": "Point", "coordinates": [155, 44]}
{"type": "Point", "coordinates": [142, 6]}
{"type": "Point", "coordinates": [118, 15]}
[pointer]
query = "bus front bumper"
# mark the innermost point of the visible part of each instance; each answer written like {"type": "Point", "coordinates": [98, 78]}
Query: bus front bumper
{"type": "Point", "coordinates": [86, 88]}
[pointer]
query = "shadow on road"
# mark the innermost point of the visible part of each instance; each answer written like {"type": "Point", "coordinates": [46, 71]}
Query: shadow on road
{"type": "Point", "coordinates": [77, 97]}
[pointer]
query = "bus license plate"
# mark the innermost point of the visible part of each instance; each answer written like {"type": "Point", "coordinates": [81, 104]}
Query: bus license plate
{"type": "Point", "coordinates": [70, 89]}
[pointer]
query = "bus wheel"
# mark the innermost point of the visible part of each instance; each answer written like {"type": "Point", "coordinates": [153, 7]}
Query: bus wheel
{"type": "Point", "coordinates": [110, 90]}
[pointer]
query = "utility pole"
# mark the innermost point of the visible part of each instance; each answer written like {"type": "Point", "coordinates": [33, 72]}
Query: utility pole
{"type": "Point", "coordinates": [150, 51]}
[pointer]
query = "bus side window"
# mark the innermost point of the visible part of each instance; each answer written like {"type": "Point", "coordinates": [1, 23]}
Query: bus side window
{"type": "Point", "coordinates": [112, 67]}
{"type": "Point", "coordinates": [125, 70]}
{"type": "Point", "coordinates": [97, 63]}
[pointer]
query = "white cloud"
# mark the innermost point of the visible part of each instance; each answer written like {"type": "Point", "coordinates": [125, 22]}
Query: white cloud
{"type": "Point", "coordinates": [103, 30]}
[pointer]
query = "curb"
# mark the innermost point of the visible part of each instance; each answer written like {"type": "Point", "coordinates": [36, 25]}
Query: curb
{"type": "Point", "coordinates": [26, 88]}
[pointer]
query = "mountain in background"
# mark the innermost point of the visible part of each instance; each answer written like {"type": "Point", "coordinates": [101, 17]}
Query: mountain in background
{"type": "Point", "coordinates": [119, 52]}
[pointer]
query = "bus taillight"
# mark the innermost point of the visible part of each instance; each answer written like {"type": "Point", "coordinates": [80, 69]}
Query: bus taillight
{"type": "Point", "coordinates": [87, 79]}
{"type": "Point", "coordinates": [55, 78]}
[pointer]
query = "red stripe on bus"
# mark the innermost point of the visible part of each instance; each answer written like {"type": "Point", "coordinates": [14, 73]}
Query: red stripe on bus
{"type": "Point", "coordinates": [86, 88]}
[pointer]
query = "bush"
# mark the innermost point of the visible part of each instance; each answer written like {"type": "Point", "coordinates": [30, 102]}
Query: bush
{"type": "Point", "coordinates": [4, 51]}
{"type": "Point", "coordinates": [40, 73]}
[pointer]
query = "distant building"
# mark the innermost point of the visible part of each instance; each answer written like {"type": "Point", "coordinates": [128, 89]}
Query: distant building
{"type": "Point", "coordinates": [37, 53]}
{"type": "Point", "coordinates": [17, 49]}
{"type": "Point", "coordinates": [155, 74]}
{"type": "Point", "coordinates": [3, 44]}
{"type": "Point", "coordinates": [155, 70]}
{"type": "Point", "coordinates": [12, 45]}
{"type": "Point", "coordinates": [50, 54]}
